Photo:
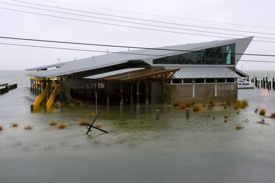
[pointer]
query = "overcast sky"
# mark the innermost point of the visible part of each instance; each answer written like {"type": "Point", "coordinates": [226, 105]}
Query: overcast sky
{"type": "Point", "coordinates": [245, 16]}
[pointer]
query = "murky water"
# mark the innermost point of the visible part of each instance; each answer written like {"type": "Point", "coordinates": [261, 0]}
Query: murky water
{"type": "Point", "coordinates": [138, 149]}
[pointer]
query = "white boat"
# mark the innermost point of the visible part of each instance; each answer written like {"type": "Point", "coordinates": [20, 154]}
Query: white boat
{"type": "Point", "coordinates": [245, 85]}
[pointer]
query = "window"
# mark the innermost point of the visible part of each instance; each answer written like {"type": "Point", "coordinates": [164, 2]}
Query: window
{"type": "Point", "coordinates": [187, 81]}
{"type": "Point", "coordinates": [177, 80]}
{"type": "Point", "coordinates": [230, 80]}
{"type": "Point", "coordinates": [210, 80]}
{"type": "Point", "coordinates": [222, 55]}
{"type": "Point", "coordinates": [221, 80]}
{"type": "Point", "coordinates": [199, 80]}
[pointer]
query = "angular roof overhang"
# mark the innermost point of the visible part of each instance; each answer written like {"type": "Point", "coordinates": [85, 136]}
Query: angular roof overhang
{"type": "Point", "coordinates": [143, 56]}
{"type": "Point", "coordinates": [141, 75]}
{"type": "Point", "coordinates": [241, 73]}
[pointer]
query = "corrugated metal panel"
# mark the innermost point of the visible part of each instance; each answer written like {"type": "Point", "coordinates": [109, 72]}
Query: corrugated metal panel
{"type": "Point", "coordinates": [112, 73]}
{"type": "Point", "coordinates": [203, 72]}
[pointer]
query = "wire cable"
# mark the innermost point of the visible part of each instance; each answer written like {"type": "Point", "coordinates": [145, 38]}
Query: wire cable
{"type": "Point", "coordinates": [120, 46]}
{"type": "Point", "coordinates": [122, 21]}
{"type": "Point", "coordinates": [100, 51]}
{"type": "Point", "coordinates": [157, 15]}
{"type": "Point", "coordinates": [111, 15]}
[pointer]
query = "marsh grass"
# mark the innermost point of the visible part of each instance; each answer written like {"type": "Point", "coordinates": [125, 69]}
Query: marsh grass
{"type": "Point", "coordinates": [98, 125]}
{"type": "Point", "coordinates": [176, 104]}
{"type": "Point", "coordinates": [14, 124]}
{"type": "Point", "coordinates": [196, 108]}
{"type": "Point", "coordinates": [53, 123]}
{"type": "Point", "coordinates": [237, 105]}
{"type": "Point", "coordinates": [61, 126]}
{"type": "Point", "coordinates": [188, 104]}
{"type": "Point", "coordinates": [1, 128]}
{"type": "Point", "coordinates": [238, 127]}
{"type": "Point", "coordinates": [212, 103]}
{"type": "Point", "coordinates": [272, 115]}
{"type": "Point", "coordinates": [28, 127]}
{"type": "Point", "coordinates": [83, 122]}
{"type": "Point", "coordinates": [244, 104]}
{"type": "Point", "coordinates": [183, 106]}
{"type": "Point", "coordinates": [262, 112]}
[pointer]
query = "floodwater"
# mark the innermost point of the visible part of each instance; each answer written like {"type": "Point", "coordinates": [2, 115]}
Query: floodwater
{"type": "Point", "coordinates": [137, 149]}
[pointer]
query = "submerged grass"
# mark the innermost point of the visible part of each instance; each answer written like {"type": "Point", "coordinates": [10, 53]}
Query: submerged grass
{"type": "Point", "coordinates": [53, 123]}
{"type": "Point", "coordinates": [183, 106]}
{"type": "Point", "coordinates": [212, 103]}
{"type": "Point", "coordinates": [98, 125]}
{"type": "Point", "coordinates": [262, 112]}
{"type": "Point", "coordinates": [28, 127]}
{"type": "Point", "coordinates": [188, 104]}
{"type": "Point", "coordinates": [196, 108]}
{"type": "Point", "coordinates": [61, 126]}
{"type": "Point", "coordinates": [83, 122]}
{"type": "Point", "coordinates": [239, 126]}
{"type": "Point", "coordinates": [176, 104]}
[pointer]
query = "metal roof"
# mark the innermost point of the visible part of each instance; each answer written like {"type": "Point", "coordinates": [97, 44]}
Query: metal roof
{"type": "Point", "coordinates": [106, 74]}
{"type": "Point", "coordinates": [203, 72]}
{"type": "Point", "coordinates": [145, 55]}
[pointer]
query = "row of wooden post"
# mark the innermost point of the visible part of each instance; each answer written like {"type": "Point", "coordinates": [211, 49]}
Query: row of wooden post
{"type": "Point", "coordinates": [138, 93]}
{"type": "Point", "coordinates": [265, 83]}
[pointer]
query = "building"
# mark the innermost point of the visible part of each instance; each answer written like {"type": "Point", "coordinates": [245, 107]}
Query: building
{"type": "Point", "coordinates": [197, 73]}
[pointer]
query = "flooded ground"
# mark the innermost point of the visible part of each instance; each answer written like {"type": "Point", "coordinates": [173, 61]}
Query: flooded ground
{"type": "Point", "coordinates": [137, 149]}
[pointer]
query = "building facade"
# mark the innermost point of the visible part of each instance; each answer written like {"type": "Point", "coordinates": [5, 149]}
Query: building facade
{"type": "Point", "coordinates": [197, 73]}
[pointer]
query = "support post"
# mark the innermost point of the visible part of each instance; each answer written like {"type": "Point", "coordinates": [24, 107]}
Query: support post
{"type": "Point", "coordinates": [48, 95]}
{"type": "Point", "coordinates": [61, 90]}
{"type": "Point", "coordinates": [31, 85]}
{"type": "Point", "coordinates": [165, 95]}
{"type": "Point", "coordinates": [138, 107]}
{"type": "Point", "coordinates": [108, 94]}
{"type": "Point", "coordinates": [121, 97]}
{"type": "Point", "coordinates": [132, 100]}
{"type": "Point", "coordinates": [147, 101]}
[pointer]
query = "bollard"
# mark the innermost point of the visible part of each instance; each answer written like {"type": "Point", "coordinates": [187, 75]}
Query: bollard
{"type": "Point", "coordinates": [132, 101]}
{"type": "Point", "coordinates": [108, 103]}
{"type": "Point", "coordinates": [121, 105]}
{"type": "Point", "coordinates": [187, 112]}
{"type": "Point", "coordinates": [165, 108]}
{"type": "Point", "coordinates": [138, 109]}
{"type": "Point", "coordinates": [146, 104]}
{"type": "Point", "coordinates": [157, 114]}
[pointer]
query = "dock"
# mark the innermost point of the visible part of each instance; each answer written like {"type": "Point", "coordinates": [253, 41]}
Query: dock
{"type": "Point", "coordinates": [4, 88]}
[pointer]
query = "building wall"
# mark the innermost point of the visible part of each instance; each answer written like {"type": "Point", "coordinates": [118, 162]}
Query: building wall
{"type": "Point", "coordinates": [156, 92]}
{"type": "Point", "coordinates": [203, 93]}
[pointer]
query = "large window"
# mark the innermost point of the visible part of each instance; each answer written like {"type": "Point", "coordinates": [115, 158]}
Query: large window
{"type": "Point", "coordinates": [222, 55]}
